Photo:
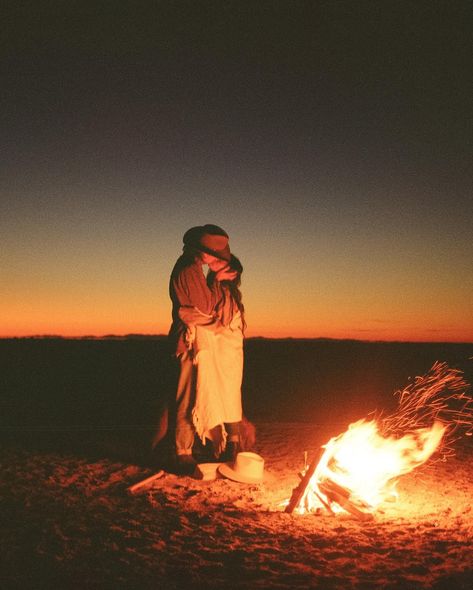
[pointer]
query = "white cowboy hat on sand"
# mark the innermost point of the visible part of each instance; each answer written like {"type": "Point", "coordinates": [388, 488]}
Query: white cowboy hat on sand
{"type": "Point", "coordinates": [247, 468]}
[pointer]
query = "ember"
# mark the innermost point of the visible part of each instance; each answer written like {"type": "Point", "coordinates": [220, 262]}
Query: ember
{"type": "Point", "coordinates": [359, 468]}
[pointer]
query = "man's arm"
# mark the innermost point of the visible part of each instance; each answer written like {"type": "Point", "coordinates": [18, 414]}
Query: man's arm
{"type": "Point", "coordinates": [193, 297]}
{"type": "Point", "coordinates": [192, 316]}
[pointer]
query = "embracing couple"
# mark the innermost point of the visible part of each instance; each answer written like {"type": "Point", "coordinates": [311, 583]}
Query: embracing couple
{"type": "Point", "coordinates": [207, 339]}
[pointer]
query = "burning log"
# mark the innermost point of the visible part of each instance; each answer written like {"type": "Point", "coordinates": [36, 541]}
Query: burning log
{"type": "Point", "coordinates": [326, 492]}
{"type": "Point", "coordinates": [300, 491]}
{"type": "Point", "coordinates": [336, 493]}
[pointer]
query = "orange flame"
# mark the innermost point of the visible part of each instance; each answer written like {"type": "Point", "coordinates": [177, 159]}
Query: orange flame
{"type": "Point", "coordinates": [359, 468]}
{"type": "Point", "coordinates": [366, 465]}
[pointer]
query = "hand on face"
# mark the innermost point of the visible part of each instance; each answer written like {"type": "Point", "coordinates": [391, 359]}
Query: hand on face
{"type": "Point", "coordinates": [226, 274]}
{"type": "Point", "coordinates": [222, 270]}
{"type": "Point", "coordinates": [217, 264]}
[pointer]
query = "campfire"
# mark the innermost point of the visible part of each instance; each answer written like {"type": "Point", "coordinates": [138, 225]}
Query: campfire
{"type": "Point", "coordinates": [358, 469]}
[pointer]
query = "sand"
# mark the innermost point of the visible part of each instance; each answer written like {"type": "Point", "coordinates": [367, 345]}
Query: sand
{"type": "Point", "coordinates": [70, 522]}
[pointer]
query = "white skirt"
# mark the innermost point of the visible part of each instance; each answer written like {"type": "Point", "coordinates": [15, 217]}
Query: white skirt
{"type": "Point", "coordinates": [218, 354]}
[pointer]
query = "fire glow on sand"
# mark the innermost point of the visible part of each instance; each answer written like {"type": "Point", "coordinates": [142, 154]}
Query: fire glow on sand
{"type": "Point", "coordinates": [359, 468]}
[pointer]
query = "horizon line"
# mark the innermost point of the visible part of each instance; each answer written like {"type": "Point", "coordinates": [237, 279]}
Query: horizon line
{"type": "Point", "coordinates": [132, 335]}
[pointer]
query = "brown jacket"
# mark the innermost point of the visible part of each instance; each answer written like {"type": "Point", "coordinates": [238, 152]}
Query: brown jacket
{"type": "Point", "coordinates": [188, 290]}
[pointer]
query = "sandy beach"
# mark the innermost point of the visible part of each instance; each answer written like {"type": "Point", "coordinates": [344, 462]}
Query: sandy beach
{"type": "Point", "coordinates": [71, 523]}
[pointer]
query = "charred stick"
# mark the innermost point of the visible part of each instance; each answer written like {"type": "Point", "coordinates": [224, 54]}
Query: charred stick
{"type": "Point", "coordinates": [300, 490]}
{"type": "Point", "coordinates": [145, 482]}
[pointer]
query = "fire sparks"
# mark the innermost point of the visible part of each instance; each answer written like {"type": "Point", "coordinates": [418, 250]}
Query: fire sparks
{"type": "Point", "coordinates": [359, 468]}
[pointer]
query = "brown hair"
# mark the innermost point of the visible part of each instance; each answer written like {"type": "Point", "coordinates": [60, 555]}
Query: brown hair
{"type": "Point", "coordinates": [233, 286]}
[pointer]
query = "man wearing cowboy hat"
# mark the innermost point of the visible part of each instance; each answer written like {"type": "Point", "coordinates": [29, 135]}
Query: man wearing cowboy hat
{"type": "Point", "coordinates": [193, 304]}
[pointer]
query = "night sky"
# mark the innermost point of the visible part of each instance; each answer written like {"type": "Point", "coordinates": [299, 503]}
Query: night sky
{"type": "Point", "coordinates": [332, 140]}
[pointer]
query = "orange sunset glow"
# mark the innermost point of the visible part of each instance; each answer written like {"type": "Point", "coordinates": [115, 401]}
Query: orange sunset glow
{"type": "Point", "coordinates": [316, 309]}
{"type": "Point", "coordinates": [94, 282]}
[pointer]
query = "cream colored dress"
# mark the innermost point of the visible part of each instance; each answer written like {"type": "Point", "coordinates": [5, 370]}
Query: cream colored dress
{"type": "Point", "coordinates": [218, 354]}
